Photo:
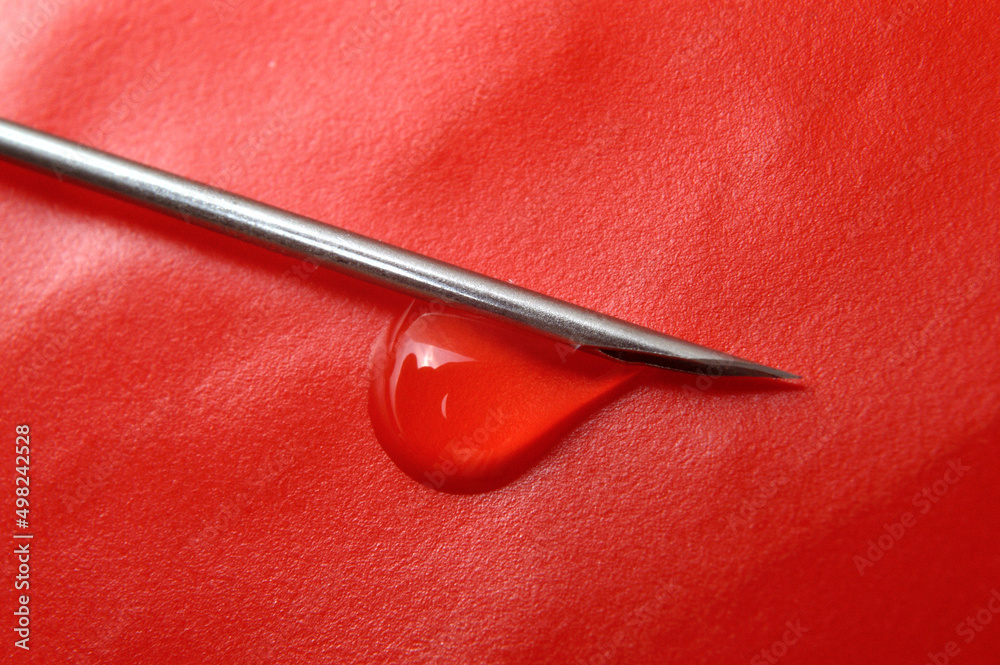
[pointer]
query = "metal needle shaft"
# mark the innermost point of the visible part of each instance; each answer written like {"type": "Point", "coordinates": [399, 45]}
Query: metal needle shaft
{"type": "Point", "coordinates": [363, 257]}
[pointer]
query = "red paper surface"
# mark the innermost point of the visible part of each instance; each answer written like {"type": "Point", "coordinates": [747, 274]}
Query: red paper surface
{"type": "Point", "coordinates": [814, 189]}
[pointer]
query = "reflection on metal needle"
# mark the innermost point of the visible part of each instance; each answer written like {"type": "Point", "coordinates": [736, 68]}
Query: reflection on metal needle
{"type": "Point", "coordinates": [363, 257]}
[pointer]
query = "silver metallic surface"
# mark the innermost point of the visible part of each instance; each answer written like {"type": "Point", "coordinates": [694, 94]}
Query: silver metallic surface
{"type": "Point", "coordinates": [363, 257]}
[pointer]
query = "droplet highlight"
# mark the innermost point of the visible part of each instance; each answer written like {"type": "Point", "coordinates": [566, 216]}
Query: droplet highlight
{"type": "Point", "coordinates": [464, 404]}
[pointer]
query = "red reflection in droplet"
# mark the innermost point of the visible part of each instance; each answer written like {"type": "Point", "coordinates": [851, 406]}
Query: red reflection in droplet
{"type": "Point", "coordinates": [463, 404]}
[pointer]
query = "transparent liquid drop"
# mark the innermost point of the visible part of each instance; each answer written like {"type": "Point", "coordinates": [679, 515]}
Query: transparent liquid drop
{"type": "Point", "coordinates": [464, 404]}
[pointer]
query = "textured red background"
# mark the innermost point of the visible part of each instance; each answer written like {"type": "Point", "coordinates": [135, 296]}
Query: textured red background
{"type": "Point", "coordinates": [815, 190]}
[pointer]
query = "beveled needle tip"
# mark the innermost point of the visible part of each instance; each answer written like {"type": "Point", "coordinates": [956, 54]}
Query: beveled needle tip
{"type": "Point", "coordinates": [747, 368]}
{"type": "Point", "coordinates": [711, 363]}
{"type": "Point", "coordinates": [763, 370]}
